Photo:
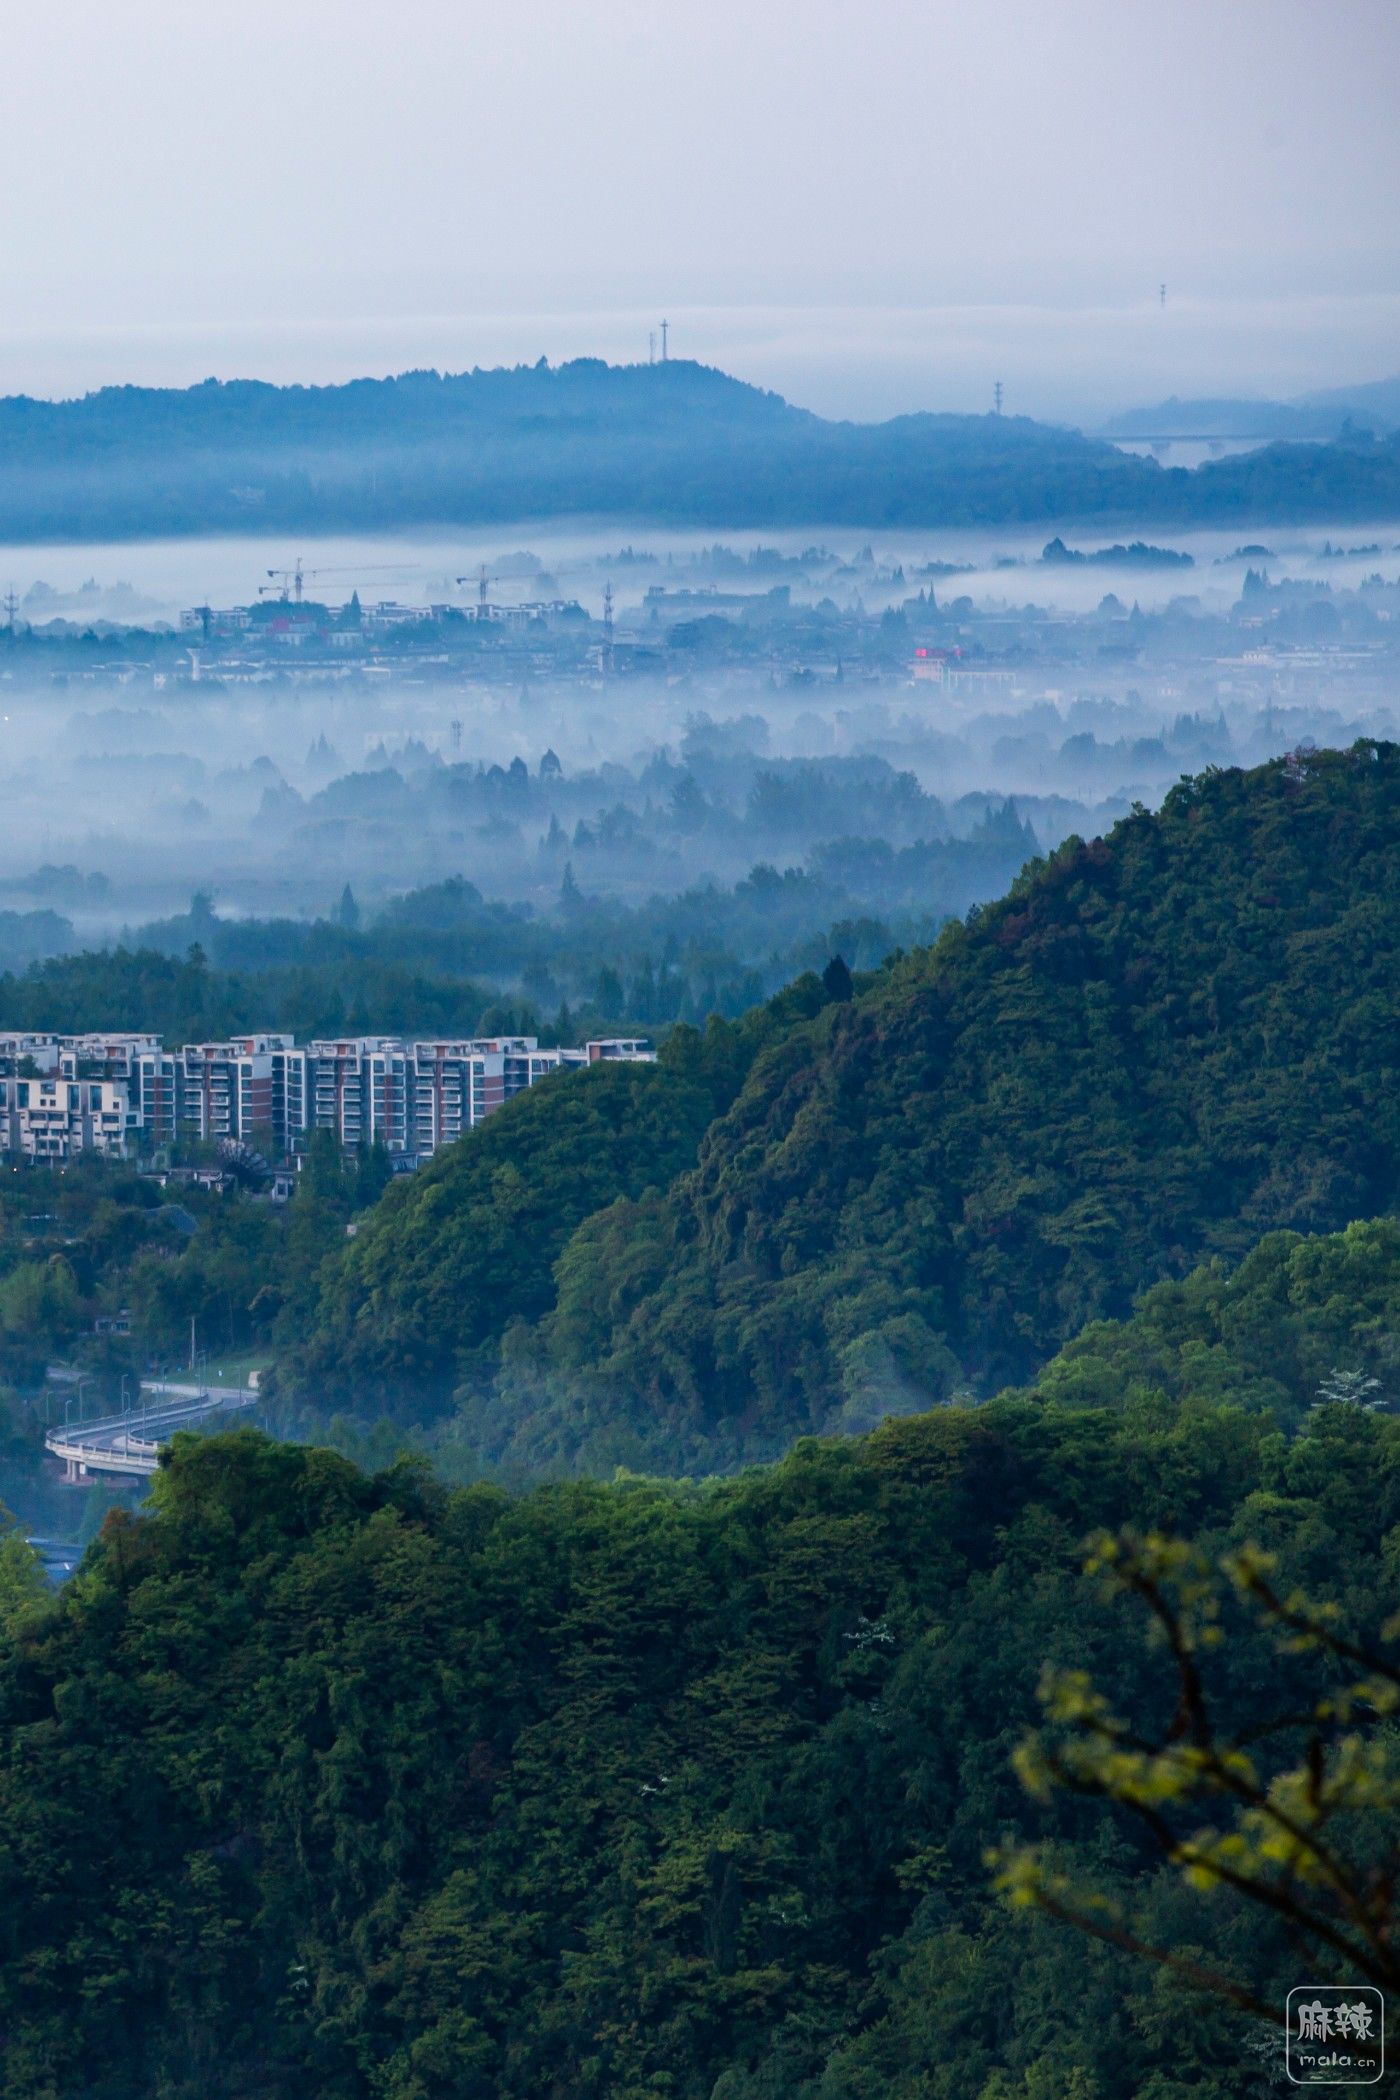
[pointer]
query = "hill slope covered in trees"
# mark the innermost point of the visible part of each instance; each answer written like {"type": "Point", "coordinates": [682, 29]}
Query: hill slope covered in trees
{"type": "Point", "coordinates": [654, 1788]}
{"type": "Point", "coordinates": [1160, 1046]}
{"type": "Point", "coordinates": [454, 1254]}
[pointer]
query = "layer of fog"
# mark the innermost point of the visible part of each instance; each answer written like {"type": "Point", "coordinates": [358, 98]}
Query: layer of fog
{"type": "Point", "coordinates": [151, 582]}
{"type": "Point", "coordinates": [123, 797]}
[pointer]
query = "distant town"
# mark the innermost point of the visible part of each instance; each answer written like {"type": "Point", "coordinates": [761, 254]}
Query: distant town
{"type": "Point", "coordinates": [125, 1096]}
{"type": "Point", "coordinates": [762, 619]}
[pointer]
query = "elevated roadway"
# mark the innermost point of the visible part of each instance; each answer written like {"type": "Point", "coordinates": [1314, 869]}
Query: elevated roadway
{"type": "Point", "coordinates": [130, 1443]}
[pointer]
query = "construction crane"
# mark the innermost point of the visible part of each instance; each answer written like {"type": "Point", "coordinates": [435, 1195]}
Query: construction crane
{"type": "Point", "coordinates": [288, 583]}
{"type": "Point", "coordinates": [481, 579]}
{"type": "Point", "coordinates": [284, 582]}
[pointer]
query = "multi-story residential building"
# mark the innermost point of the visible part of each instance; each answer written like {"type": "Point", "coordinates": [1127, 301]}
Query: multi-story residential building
{"type": "Point", "coordinates": [414, 1097]}
{"type": "Point", "coordinates": [251, 1088]}
{"type": "Point", "coordinates": [52, 1118]}
{"type": "Point", "coordinates": [62, 1095]}
{"type": "Point", "coordinates": [236, 1089]}
{"type": "Point", "coordinates": [625, 1049]}
{"type": "Point", "coordinates": [158, 1094]}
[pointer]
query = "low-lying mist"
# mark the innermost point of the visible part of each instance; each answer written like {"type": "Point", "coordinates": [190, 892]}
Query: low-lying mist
{"type": "Point", "coordinates": [766, 748]}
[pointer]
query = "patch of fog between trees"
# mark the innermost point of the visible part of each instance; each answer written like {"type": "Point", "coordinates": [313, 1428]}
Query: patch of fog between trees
{"type": "Point", "coordinates": [270, 799]}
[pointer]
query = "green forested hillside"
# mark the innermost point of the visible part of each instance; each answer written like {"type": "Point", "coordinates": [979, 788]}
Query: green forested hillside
{"type": "Point", "coordinates": [1159, 1047]}
{"type": "Point", "coordinates": [455, 1254]}
{"type": "Point", "coordinates": [1296, 1316]}
{"type": "Point", "coordinates": [318, 1784]}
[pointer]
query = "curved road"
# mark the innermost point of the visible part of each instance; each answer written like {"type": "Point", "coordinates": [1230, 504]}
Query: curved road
{"type": "Point", "coordinates": [130, 1443]}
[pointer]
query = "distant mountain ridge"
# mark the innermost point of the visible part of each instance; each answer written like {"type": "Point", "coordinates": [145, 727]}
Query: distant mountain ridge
{"type": "Point", "coordinates": [1378, 401]}
{"type": "Point", "coordinates": [678, 443]}
{"type": "Point", "coordinates": [1313, 418]}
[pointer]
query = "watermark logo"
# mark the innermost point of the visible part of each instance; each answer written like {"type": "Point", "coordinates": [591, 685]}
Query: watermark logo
{"type": "Point", "coordinates": [1336, 2034]}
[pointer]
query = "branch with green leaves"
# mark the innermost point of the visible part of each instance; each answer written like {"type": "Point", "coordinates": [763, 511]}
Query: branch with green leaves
{"type": "Point", "coordinates": [1298, 1815]}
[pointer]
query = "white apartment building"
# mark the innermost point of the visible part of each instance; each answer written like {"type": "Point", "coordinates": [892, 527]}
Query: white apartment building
{"type": "Point", "coordinates": [63, 1095]}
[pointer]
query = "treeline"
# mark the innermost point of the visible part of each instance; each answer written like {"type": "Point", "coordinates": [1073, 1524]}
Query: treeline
{"type": "Point", "coordinates": [674, 839]}
{"type": "Point", "coordinates": [185, 1000]}
{"type": "Point", "coordinates": [444, 959]}
{"type": "Point", "coordinates": [859, 860]}
{"type": "Point", "coordinates": [366, 992]}
{"type": "Point", "coordinates": [675, 442]}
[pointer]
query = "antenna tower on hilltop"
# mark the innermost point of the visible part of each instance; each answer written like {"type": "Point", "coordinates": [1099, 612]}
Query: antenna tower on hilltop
{"type": "Point", "coordinates": [665, 331]}
{"type": "Point", "coordinates": [651, 348]}
{"type": "Point", "coordinates": [996, 396]}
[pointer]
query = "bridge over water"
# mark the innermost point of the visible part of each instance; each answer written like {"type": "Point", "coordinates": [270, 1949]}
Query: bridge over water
{"type": "Point", "coordinates": [130, 1442]}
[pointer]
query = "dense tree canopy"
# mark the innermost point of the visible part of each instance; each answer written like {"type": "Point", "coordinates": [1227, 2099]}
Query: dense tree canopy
{"type": "Point", "coordinates": [318, 1782]}
{"type": "Point", "coordinates": [456, 1253]}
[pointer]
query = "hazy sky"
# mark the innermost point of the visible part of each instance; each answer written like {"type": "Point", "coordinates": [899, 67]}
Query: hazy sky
{"type": "Point", "coordinates": [869, 204]}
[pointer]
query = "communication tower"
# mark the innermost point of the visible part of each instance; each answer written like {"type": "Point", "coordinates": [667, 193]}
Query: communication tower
{"type": "Point", "coordinates": [665, 331]}
{"type": "Point", "coordinates": [996, 396]}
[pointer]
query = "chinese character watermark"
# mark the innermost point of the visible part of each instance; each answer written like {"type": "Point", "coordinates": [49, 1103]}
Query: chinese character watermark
{"type": "Point", "coordinates": [1336, 2034]}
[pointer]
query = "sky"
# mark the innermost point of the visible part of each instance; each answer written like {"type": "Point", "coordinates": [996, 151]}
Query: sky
{"type": "Point", "coordinates": [870, 207]}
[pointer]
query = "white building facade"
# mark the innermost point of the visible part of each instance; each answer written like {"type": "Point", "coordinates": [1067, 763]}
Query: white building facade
{"type": "Point", "coordinates": [61, 1096]}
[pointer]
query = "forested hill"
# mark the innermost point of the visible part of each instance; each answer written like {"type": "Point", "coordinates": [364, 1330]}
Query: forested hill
{"type": "Point", "coordinates": [676, 442]}
{"type": "Point", "coordinates": [317, 1787]}
{"type": "Point", "coordinates": [1160, 1046]}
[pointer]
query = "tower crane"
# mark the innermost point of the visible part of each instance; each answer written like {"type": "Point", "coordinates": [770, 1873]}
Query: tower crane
{"type": "Point", "coordinates": [483, 577]}
{"type": "Point", "coordinates": [283, 583]}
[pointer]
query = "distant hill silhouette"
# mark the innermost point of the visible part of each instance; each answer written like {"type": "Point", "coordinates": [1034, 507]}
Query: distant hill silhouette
{"type": "Point", "coordinates": [678, 442]}
{"type": "Point", "coordinates": [1229, 416]}
{"type": "Point", "coordinates": [1377, 402]}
